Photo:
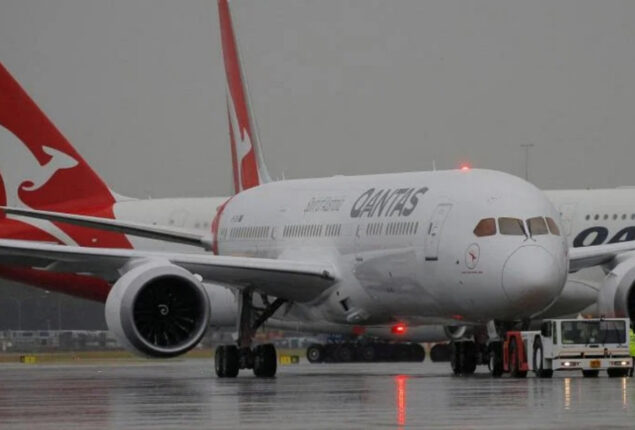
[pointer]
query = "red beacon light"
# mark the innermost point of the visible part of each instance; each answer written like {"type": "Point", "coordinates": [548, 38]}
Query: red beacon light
{"type": "Point", "coordinates": [465, 167]}
{"type": "Point", "coordinates": [399, 329]}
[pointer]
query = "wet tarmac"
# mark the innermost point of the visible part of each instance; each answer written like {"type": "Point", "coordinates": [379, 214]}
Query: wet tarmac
{"type": "Point", "coordinates": [185, 395]}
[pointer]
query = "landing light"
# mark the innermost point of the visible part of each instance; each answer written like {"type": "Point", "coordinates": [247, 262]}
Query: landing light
{"type": "Point", "coordinates": [399, 329]}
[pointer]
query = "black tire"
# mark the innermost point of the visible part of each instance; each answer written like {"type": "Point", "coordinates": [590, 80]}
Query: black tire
{"type": "Point", "coordinates": [455, 357]}
{"type": "Point", "coordinates": [463, 358]}
{"type": "Point", "coordinates": [265, 361]}
{"type": "Point", "coordinates": [440, 352]}
{"type": "Point", "coordinates": [345, 353]}
{"type": "Point", "coordinates": [469, 358]}
{"type": "Point", "coordinates": [495, 363]}
{"type": "Point", "coordinates": [401, 352]}
{"type": "Point", "coordinates": [368, 353]}
{"type": "Point", "coordinates": [315, 353]}
{"type": "Point", "coordinates": [590, 373]}
{"type": "Point", "coordinates": [417, 352]}
{"type": "Point", "coordinates": [617, 372]}
{"type": "Point", "coordinates": [538, 360]}
{"type": "Point", "coordinates": [219, 358]}
{"type": "Point", "coordinates": [226, 361]}
{"type": "Point", "coordinates": [514, 361]}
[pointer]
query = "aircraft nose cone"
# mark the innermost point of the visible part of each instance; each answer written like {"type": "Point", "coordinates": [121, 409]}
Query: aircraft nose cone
{"type": "Point", "coordinates": [531, 278]}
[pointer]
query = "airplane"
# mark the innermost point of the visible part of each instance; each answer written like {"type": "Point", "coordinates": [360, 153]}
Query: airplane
{"type": "Point", "coordinates": [413, 248]}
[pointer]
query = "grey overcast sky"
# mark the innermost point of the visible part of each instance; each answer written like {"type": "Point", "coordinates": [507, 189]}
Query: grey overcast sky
{"type": "Point", "coordinates": [339, 87]}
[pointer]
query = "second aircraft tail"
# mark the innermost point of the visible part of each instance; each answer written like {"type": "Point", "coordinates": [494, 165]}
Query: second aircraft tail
{"type": "Point", "coordinates": [247, 160]}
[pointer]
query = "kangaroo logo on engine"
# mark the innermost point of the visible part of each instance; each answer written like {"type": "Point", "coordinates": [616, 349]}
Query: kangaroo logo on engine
{"type": "Point", "coordinates": [387, 202]}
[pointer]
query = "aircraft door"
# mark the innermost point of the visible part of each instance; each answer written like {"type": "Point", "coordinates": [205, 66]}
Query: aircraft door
{"type": "Point", "coordinates": [433, 233]}
{"type": "Point", "coordinates": [567, 214]}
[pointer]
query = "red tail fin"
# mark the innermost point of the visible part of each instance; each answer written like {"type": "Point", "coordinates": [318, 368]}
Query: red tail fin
{"type": "Point", "coordinates": [247, 161]}
{"type": "Point", "coordinates": [40, 169]}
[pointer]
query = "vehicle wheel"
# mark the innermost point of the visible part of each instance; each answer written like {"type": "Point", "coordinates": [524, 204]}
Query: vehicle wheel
{"type": "Point", "coordinates": [495, 363]}
{"type": "Point", "coordinates": [514, 361]}
{"type": "Point", "coordinates": [590, 373]}
{"type": "Point", "coordinates": [617, 372]}
{"type": "Point", "coordinates": [538, 360]}
{"type": "Point", "coordinates": [265, 361]}
{"type": "Point", "coordinates": [417, 352]}
{"type": "Point", "coordinates": [368, 353]}
{"type": "Point", "coordinates": [315, 353]}
{"type": "Point", "coordinates": [226, 361]}
{"type": "Point", "coordinates": [345, 353]}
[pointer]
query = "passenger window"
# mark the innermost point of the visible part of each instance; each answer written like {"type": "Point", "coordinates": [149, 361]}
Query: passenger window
{"type": "Point", "coordinates": [537, 226]}
{"type": "Point", "coordinates": [553, 227]}
{"type": "Point", "coordinates": [511, 227]}
{"type": "Point", "coordinates": [485, 227]}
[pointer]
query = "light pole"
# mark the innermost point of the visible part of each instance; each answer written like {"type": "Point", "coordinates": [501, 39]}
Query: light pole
{"type": "Point", "coordinates": [526, 147]}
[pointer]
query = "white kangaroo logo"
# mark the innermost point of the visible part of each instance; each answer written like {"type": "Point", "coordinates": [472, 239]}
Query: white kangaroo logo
{"type": "Point", "coordinates": [241, 139]}
{"type": "Point", "coordinates": [21, 170]}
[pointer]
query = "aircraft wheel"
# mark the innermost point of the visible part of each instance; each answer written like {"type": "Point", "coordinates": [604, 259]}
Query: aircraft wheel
{"type": "Point", "coordinates": [368, 353]}
{"type": "Point", "coordinates": [417, 352]}
{"type": "Point", "coordinates": [469, 358]}
{"type": "Point", "coordinates": [463, 358]}
{"type": "Point", "coordinates": [345, 353]}
{"type": "Point", "coordinates": [455, 358]}
{"type": "Point", "coordinates": [226, 361]}
{"type": "Point", "coordinates": [495, 363]}
{"type": "Point", "coordinates": [440, 352]}
{"type": "Point", "coordinates": [315, 353]}
{"type": "Point", "coordinates": [265, 361]}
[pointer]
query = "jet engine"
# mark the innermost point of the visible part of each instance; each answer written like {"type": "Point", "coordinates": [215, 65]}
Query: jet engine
{"type": "Point", "coordinates": [223, 306]}
{"type": "Point", "coordinates": [157, 309]}
{"type": "Point", "coordinates": [617, 295]}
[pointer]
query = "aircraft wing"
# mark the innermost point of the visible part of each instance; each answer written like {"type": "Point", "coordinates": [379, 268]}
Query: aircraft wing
{"type": "Point", "coordinates": [168, 234]}
{"type": "Point", "coordinates": [288, 279]}
{"type": "Point", "coordinates": [589, 256]}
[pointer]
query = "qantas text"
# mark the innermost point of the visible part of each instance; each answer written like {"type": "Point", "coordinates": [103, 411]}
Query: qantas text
{"type": "Point", "coordinates": [387, 202]}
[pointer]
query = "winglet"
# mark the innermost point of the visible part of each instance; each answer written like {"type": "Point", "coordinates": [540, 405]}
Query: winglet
{"type": "Point", "coordinates": [247, 161]}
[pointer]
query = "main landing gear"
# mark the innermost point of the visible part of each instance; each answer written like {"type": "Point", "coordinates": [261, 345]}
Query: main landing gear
{"type": "Point", "coordinates": [229, 359]}
{"type": "Point", "coordinates": [484, 347]}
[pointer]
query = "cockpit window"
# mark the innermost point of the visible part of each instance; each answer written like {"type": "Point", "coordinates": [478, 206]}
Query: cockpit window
{"type": "Point", "coordinates": [537, 226]}
{"type": "Point", "coordinates": [553, 227]}
{"type": "Point", "coordinates": [485, 227]}
{"type": "Point", "coordinates": [511, 226]}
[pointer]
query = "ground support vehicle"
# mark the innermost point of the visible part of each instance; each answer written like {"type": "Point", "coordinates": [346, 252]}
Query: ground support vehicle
{"type": "Point", "coordinates": [586, 345]}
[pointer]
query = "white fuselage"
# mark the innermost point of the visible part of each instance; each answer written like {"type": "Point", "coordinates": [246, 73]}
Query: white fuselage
{"type": "Point", "coordinates": [400, 243]}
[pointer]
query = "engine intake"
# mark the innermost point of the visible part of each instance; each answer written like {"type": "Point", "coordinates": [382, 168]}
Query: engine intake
{"type": "Point", "coordinates": [616, 298]}
{"type": "Point", "coordinates": [158, 309]}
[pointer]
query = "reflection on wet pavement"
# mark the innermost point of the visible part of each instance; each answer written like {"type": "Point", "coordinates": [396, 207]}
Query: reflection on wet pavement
{"type": "Point", "coordinates": [185, 394]}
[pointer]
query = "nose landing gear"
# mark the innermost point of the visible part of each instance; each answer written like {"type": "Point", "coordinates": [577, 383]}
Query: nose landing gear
{"type": "Point", "coordinates": [229, 359]}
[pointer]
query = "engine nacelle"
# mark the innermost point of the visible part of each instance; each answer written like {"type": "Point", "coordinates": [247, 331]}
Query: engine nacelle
{"type": "Point", "coordinates": [457, 332]}
{"type": "Point", "coordinates": [157, 309]}
{"type": "Point", "coordinates": [616, 298]}
{"type": "Point", "coordinates": [223, 306]}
